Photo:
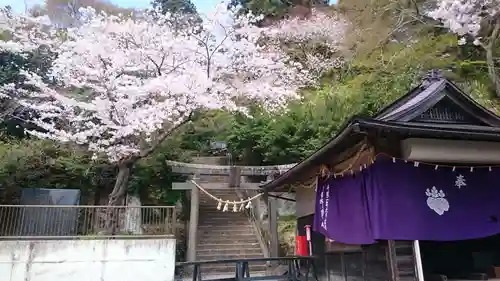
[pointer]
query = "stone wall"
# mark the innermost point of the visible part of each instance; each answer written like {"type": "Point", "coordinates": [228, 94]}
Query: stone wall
{"type": "Point", "coordinates": [88, 260]}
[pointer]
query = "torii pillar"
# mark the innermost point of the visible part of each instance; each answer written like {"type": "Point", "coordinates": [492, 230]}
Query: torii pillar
{"type": "Point", "coordinates": [193, 224]}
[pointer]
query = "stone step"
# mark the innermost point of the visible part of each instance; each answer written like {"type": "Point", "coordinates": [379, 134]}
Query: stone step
{"type": "Point", "coordinates": [225, 232]}
{"type": "Point", "coordinates": [223, 218]}
{"type": "Point", "coordinates": [214, 210]}
{"type": "Point", "coordinates": [231, 267]}
{"type": "Point", "coordinates": [220, 256]}
{"type": "Point", "coordinates": [251, 249]}
{"type": "Point", "coordinates": [226, 219]}
{"type": "Point", "coordinates": [226, 235]}
{"type": "Point", "coordinates": [215, 240]}
{"type": "Point", "coordinates": [227, 245]}
{"type": "Point", "coordinates": [228, 222]}
{"type": "Point", "coordinates": [227, 227]}
{"type": "Point", "coordinates": [187, 276]}
{"type": "Point", "coordinates": [234, 224]}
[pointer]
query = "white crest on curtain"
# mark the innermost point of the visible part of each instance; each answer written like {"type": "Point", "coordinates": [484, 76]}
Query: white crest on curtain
{"type": "Point", "coordinates": [436, 200]}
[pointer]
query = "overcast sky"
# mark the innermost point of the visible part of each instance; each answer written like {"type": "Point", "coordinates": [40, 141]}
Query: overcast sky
{"type": "Point", "coordinates": [203, 6]}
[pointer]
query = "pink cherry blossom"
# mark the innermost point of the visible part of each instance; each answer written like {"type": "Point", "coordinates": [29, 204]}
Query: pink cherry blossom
{"type": "Point", "coordinates": [123, 84]}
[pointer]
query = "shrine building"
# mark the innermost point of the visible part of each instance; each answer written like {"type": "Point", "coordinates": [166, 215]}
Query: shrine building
{"type": "Point", "coordinates": [411, 193]}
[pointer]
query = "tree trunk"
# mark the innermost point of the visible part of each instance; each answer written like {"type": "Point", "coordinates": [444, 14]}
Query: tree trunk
{"type": "Point", "coordinates": [116, 198]}
{"type": "Point", "coordinates": [492, 71]}
{"type": "Point", "coordinates": [490, 59]}
{"type": "Point", "coordinates": [120, 188]}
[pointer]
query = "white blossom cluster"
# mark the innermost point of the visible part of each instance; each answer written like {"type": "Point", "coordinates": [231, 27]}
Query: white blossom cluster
{"type": "Point", "coordinates": [464, 17]}
{"type": "Point", "coordinates": [27, 33]}
{"type": "Point", "coordinates": [319, 26]}
{"type": "Point", "coordinates": [326, 29]}
{"type": "Point", "coordinates": [123, 83]}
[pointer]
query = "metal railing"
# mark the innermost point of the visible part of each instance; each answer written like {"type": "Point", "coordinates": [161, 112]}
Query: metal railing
{"type": "Point", "coordinates": [91, 222]}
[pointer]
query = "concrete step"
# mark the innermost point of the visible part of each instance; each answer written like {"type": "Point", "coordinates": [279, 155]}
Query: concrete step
{"type": "Point", "coordinates": [251, 249]}
{"type": "Point", "coordinates": [227, 245]}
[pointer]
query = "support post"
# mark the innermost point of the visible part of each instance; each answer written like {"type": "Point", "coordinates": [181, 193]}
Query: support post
{"type": "Point", "coordinates": [273, 225]}
{"type": "Point", "coordinates": [193, 224]}
{"type": "Point", "coordinates": [418, 260]}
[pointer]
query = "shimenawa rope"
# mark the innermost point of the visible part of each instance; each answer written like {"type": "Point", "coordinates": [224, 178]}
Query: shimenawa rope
{"type": "Point", "coordinates": [237, 205]}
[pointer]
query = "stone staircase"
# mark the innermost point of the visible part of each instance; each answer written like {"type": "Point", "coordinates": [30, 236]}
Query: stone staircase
{"type": "Point", "coordinates": [225, 235]}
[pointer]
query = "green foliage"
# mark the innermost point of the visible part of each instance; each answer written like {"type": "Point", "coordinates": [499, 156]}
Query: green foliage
{"type": "Point", "coordinates": [367, 84]}
{"type": "Point", "coordinates": [27, 163]}
{"type": "Point", "coordinates": [38, 61]}
{"type": "Point", "coordinates": [175, 6]}
{"type": "Point", "coordinates": [262, 7]}
{"type": "Point", "coordinates": [43, 164]}
{"type": "Point", "coordinates": [275, 9]}
{"type": "Point", "coordinates": [205, 128]}
{"type": "Point", "coordinates": [152, 178]}
{"type": "Point", "coordinates": [11, 64]}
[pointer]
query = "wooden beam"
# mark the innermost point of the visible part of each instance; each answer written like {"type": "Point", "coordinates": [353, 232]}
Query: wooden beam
{"type": "Point", "coordinates": [282, 198]}
{"type": "Point", "coordinates": [209, 185]}
{"type": "Point", "coordinates": [221, 170]}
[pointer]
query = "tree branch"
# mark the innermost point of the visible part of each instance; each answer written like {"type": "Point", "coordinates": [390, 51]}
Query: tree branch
{"type": "Point", "coordinates": [162, 136]}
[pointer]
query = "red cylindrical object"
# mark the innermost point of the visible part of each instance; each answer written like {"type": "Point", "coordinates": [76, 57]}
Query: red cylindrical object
{"type": "Point", "coordinates": [301, 245]}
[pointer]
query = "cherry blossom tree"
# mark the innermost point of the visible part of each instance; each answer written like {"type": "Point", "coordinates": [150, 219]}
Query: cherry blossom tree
{"type": "Point", "coordinates": [478, 20]}
{"type": "Point", "coordinates": [319, 38]}
{"type": "Point", "coordinates": [120, 86]}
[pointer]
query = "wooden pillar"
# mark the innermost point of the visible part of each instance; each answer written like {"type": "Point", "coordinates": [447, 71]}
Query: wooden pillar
{"type": "Point", "coordinates": [272, 211]}
{"type": "Point", "coordinates": [392, 261]}
{"type": "Point", "coordinates": [193, 224]}
{"type": "Point", "coordinates": [418, 260]}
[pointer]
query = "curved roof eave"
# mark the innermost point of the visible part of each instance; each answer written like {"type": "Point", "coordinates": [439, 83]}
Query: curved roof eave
{"type": "Point", "coordinates": [347, 129]}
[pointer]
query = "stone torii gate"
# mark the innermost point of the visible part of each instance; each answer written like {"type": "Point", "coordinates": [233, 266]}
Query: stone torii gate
{"type": "Point", "coordinates": [234, 177]}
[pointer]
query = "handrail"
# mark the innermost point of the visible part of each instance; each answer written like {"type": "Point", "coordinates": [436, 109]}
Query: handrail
{"type": "Point", "coordinates": [242, 269]}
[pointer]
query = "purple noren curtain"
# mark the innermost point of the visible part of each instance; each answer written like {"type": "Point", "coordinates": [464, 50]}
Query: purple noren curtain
{"type": "Point", "coordinates": [404, 201]}
{"type": "Point", "coordinates": [341, 210]}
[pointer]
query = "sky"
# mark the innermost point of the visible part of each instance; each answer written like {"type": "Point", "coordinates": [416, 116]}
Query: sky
{"type": "Point", "coordinates": [202, 6]}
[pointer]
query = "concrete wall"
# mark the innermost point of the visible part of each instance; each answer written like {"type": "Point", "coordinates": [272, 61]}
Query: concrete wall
{"type": "Point", "coordinates": [305, 200]}
{"type": "Point", "coordinates": [88, 260]}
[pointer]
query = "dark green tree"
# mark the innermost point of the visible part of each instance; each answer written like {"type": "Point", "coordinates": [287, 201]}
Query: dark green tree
{"type": "Point", "coordinates": [183, 13]}
{"type": "Point", "coordinates": [273, 8]}
{"type": "Point", "coordinates": [183, 7]}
